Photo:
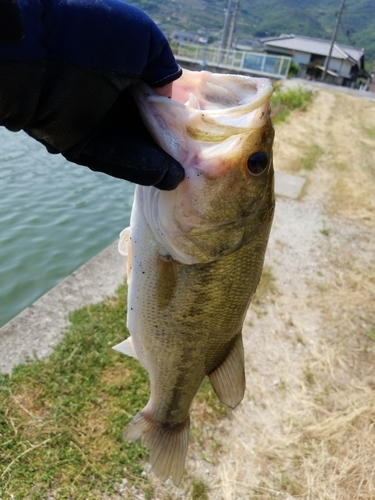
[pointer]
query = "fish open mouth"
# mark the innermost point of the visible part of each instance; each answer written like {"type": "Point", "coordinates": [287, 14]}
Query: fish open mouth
{"type": "Point", "coordinates": [221, 94]}
{"type": "Point", "coordinates": [205, 107]}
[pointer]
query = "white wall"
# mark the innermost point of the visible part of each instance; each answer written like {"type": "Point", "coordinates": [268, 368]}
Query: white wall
{"type": "Point", "coordinates": [301, 58]}
{"type": "Point", "coordinates": [340, 66]}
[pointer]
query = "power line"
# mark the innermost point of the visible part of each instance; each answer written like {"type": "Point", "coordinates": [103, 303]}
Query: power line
{"type": "Point", "coordinates": [347, 34]}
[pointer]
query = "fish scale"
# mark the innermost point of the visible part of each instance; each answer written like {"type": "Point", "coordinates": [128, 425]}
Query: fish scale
{"type": "Point", "coordinates": [195, 255]}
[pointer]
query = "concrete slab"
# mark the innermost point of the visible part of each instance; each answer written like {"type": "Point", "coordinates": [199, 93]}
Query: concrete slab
{"type": "Point", "coordinates": [288, 185]}
{"type": "Point", "coordinates": [37, 329]}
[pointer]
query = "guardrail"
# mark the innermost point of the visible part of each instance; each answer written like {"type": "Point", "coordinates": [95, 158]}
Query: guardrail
{"type": "Point", "coordinates": [255, 63]}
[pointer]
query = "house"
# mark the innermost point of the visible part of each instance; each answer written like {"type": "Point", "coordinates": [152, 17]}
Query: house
{"type": "Point", "coordinates": [184, 37]}
{"type": "Point", "coordinates": [247, 44]}
{"type": "Point", "coordinates": [346, 64]}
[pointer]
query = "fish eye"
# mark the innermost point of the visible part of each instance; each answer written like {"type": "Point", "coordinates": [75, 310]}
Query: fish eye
{"type": "Point", "coordinates": [257, 163]}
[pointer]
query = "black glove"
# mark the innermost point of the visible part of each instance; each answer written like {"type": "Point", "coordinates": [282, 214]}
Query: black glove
{"type": "Point", "coordinates": [65, 79]}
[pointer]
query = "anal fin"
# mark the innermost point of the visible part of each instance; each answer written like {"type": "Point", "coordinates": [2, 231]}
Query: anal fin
{"type": "Point", "coordinates": [228, 380]}
{"type": "Point", "coordinates": [126, 347]}
{"type": "Point", "coordinates": [167, 445]}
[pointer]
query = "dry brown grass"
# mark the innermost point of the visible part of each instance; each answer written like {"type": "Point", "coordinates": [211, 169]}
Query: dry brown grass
{"type": "Point", "coordinates": [342, 129]}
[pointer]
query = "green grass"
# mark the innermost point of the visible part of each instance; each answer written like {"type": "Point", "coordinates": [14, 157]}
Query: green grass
{"type": "Point", "coordinates": [285, 101]}
{"type": "Point", "coordinates": [199, 490]}
{"type": "Point", "coordinates": [369, 132]}
{"type": "Point", "coordinates": [326, 231]}
{"type": "Point", "coordinates": [313, 155]}
{"type": "Point", "coordinates": [62, 419]}
{"type": "Point", "coordinates": [266, 287]}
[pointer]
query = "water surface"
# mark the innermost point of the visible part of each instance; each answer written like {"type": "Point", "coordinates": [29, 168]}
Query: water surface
{"type": "Point", "coordinates": [54, 216]}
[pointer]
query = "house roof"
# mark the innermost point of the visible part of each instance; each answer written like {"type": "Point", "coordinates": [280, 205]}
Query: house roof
{"type": "Point", "coordinates": [184, 34]}
{"type": "Point", "coordinates": [314, 46]}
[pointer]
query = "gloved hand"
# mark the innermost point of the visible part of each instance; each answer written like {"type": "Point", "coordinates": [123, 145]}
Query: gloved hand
{"type": "Point", "coordinates": [66, 69]}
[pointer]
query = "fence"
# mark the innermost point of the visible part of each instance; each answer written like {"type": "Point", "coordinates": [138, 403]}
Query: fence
{"type": "Point", "coordinates": [234, 60]}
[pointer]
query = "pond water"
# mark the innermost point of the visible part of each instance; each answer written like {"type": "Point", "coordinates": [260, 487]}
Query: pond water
{"type": "Point", "coordinates": [54, 216]}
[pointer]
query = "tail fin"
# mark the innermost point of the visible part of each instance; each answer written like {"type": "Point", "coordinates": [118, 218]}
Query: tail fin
{"type": "Point", "coordinates": [167, 445]}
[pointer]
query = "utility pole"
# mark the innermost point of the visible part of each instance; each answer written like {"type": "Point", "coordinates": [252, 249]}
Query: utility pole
{"type": "Point", "coordinates": [229, 24]}
{"type": "Point", "coordinates": [326, 64]}
{"type": "Point", "coordinates": [233, 22]}
{"type": "Point", "coordinates": [224, 38]}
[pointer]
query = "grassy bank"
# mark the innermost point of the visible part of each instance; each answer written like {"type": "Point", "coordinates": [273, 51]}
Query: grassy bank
{"type": "Point", "coordinates": [62, 419]}
{"type": "Point", "coordinates": [284, 101]}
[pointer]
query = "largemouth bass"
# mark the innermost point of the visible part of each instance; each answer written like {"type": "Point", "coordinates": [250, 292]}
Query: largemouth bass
{"type": "Point", "coordinates": [195, 254]}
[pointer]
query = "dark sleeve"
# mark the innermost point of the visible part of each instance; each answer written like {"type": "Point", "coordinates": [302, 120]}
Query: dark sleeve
{"type": "Point", "coordinates": [71, 60]}
{"type": "Point", "coordinates": [20, 84]}
{"type": "Point", "coordinates": [106, 35]}
{"type": "Point", "coordinates": [11, 28]}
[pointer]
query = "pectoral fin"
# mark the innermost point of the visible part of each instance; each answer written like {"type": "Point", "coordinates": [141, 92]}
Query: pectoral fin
{"type": "Point", "coordinates": [123, 244]}
{"type": "Point", "coordinates": [125, 248]}
{"type": "Point", "coordinates": [228, 380]}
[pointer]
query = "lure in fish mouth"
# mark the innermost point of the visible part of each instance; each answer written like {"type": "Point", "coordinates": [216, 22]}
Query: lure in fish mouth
{"type": "Point", "coordinates": [195, 254]}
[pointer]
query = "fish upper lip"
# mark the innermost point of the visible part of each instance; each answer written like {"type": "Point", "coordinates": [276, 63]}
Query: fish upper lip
{"type": "Point", "coordinates": [256, 103]}
{"type": "Point", "coordinates": [263, 86]}
{"type": "Point", "coordinates": [264, 90]}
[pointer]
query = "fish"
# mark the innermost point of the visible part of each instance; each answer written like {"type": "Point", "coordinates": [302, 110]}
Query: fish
{"type": "Point", "coordinates": [195, 254]}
